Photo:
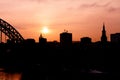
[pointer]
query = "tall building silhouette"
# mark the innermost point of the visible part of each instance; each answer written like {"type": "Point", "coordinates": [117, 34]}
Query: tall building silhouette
{"type": "Point", "coordinates": [103, 37]}
{"type": "Point", "coordinates": [42, 40]}
{"type": "Point", "coordinates": [66, 39]}
{"type": "Point", "coordinates": [115, 37]}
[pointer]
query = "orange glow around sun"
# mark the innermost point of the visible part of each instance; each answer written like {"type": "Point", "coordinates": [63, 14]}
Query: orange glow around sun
{"type": "Point", "coordinates": [45, 30]}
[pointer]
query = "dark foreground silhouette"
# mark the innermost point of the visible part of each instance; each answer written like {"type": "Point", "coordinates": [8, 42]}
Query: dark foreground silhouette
{"type": "Point", "coordinates": [52, 61]}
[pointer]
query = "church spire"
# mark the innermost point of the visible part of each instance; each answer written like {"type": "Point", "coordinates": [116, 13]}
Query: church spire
{"type": "Point", "coordinates": [103, 37]}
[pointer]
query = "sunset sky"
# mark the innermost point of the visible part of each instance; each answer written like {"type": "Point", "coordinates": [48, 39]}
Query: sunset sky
{"type": "Point", "coordinates": [82, 18]}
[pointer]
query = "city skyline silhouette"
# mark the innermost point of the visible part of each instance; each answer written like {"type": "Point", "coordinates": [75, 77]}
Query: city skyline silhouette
{"type": "Point", "coordinates": [81, 18]}
{"type": "Point", "coordinates": [24, 59]}
{"type": "Point", "coordinates": [59, 39]}
{"type": "Point", "coordinates": [3, 30]}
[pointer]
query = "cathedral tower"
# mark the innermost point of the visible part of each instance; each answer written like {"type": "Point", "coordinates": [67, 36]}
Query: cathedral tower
{"type": "Point", "coordinates": [103, 37]}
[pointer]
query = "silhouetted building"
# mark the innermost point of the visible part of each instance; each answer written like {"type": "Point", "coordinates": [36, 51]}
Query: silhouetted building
{"type": "Point", "coordinates": [86, 40]}
{"type": "Point", "coordinates": [103, 37]}
{"type": "Point", "coordinates": [42, 40]}
{"type": "Point", "coordinates": [30, 42]}
{"type": "Point", "coordinates": [115, 37]}
{"type": "Point", "coordinates": [66, 39]}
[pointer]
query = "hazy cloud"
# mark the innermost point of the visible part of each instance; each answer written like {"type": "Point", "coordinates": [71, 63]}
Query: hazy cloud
{"type": "Point", "coordinates": [95, 4]}
{"type": "Point", "coordinates": [108, 6]}
{"type": "Point", "coordinates": [113, 9]}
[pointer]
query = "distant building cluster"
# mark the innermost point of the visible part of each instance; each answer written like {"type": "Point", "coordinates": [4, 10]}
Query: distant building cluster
{"type": "Point", "coordinates": [65, 37]}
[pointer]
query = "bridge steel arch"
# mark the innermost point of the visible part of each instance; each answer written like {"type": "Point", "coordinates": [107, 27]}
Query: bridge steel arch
{"type": "Point", "coordinates": [11, 32]}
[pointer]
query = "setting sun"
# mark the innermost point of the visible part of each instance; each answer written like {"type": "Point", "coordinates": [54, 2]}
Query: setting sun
{"type": "Point", "coordinates": [45, 30]}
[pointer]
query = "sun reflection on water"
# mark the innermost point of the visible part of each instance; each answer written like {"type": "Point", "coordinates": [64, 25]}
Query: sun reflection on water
{"type": "Point", "coordinates": [9, 76]}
